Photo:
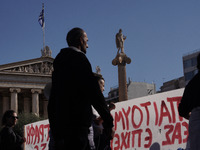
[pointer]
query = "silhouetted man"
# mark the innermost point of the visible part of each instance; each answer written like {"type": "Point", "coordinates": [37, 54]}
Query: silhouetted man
{"type": "Point", "coordinates": [189, 108]}
{"type": "Point", "coordinates": [74, 90]}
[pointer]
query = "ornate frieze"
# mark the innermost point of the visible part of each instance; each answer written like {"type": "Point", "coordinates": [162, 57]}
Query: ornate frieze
{"type": "Point", "coordinates": [38, 68]}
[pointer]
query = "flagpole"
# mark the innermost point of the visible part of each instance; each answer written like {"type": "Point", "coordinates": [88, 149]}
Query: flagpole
{"type": "Point", "coordinates": [42, 24]}
{"type": "Point", "coordinates": [43, 37]}
{"type": "Point", "coordinates": [43, 29]}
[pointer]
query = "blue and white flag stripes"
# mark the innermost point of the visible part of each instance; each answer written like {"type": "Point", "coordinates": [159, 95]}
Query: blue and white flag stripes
{"type": "Point", "coordinates": [41, 17]}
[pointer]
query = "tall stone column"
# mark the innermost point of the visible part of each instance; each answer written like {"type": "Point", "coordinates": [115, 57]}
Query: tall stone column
{"type": "Point", "coordinates": [121, 60]}
{"type": "Point", "coordinates": [35, 100]}
{"type": "Point", "coordinates": [14, 98]}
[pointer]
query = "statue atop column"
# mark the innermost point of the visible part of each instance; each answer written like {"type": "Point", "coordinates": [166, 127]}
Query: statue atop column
{"type": "Point", "coordinates": [120, 38]}
{"type": "Point", "coordinates": [121, 60]}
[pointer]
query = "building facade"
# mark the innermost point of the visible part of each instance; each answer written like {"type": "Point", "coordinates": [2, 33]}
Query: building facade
{"type": "Point", "coordinates": [189, 71]}
{"type": "Point", "coordinates": [22, 84]}
{"type": "Point", "coordinates": [173, 84]}
{"type": "Point", "coordinates": [140, 89]}
{"type": "Point", "coordinates": [189, 65]}
{"type": "Point", "coordinates": [135, 90]}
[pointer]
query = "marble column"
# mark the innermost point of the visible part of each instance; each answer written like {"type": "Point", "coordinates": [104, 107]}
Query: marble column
{"type": "Point", "coordinates": [121, 60]}
{"type": "Point", "coordinates": [35, 100]}
{"type": "Point", "coordinates": [14, 98]}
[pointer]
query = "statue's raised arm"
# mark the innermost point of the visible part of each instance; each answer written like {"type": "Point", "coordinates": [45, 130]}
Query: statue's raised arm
{"type": "Point", "coordinates": [120, 38]}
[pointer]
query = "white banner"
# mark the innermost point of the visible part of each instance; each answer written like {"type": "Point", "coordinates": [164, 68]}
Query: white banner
{"type": "Point", "coordinates": [150, 122]}
{"type": "Point", "coordinates": [37, 135]}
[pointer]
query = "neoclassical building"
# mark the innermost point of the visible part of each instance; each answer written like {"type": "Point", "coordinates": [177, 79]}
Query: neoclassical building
{"type": "Point", "coordinates": [22, 84]}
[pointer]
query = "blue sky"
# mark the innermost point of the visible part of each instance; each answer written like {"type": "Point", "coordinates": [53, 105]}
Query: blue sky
{"type": "Point", "coordinates": [159, 33]}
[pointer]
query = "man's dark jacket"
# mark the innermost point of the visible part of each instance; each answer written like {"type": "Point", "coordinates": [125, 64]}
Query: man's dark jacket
{"type": "Point", "coordinates": [191, 97]}
{"type": "Point", "coordinates": [74, 90]}
{"type": "Point", "coordinates": [9, 140]}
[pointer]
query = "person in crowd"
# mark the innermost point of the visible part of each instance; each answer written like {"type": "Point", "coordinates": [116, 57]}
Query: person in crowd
{"type": "Point", "coordinates": [74, 90]}
{"type": "Point", "coordinates": [9, 140]}
{"type": "Point", "coordinates": [189, 108]}
{"type": "Point", "coordinates": [47, 91]}
{"type": "Point", "coordinates": [97, 129]}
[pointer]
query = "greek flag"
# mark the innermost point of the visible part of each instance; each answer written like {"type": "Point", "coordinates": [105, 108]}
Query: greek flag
{"type": "Point", "coordinates": [41, 17]}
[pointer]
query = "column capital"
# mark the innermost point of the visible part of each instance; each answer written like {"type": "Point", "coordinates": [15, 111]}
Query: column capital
{"type": "Point", "coordinates": [121, 59]}
{"type": "Point", "coordinates": [15, 90]}
{"type": "Point", "coordinates": [39, 91]}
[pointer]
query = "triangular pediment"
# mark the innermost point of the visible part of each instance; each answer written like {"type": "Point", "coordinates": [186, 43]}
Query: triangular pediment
{"type": "Point", "coordinates": [40, 66]}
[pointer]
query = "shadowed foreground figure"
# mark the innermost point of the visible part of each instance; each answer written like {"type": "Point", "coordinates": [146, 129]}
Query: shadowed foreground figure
{"type": "Point", "coordinates": [189, 108]}
{"type": "Point", "coordinates": [74, 91]}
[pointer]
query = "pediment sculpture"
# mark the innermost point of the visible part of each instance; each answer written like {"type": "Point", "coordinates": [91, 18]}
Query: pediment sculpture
{"type": "Point", "coordinates": [37, 68]}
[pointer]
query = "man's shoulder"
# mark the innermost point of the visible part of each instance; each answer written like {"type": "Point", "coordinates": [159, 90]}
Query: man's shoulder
{"type": "Point", "coordinates": [196, 78]}
{"type": "Point", "coordinates": [67, 52]}
{"type": "Point", "coordinates": [70, 54]}
{"type": "Point", "coordinates": [6, 130]}
{"type": "Point", "coordinates": [71, 51]}
{"type": "Point", "coordinates": [195, 81]}
{"type": "Point", "coordinates": [71, 48]}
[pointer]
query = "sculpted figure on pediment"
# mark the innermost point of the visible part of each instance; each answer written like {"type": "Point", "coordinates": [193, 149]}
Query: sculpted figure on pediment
{"type": "Point", "coordinates": [26, 69]}
{"type": "Point", "coordinates": [20, 69]}
{"type": "Point", "coordinates": [30, 69]}
{"type": "Point", "coordinates": [46, 68]}
{"type": "Point", "coordinates": [42, 68]}
{"type": "Point", "coordinates": [39, 68]}
{"type": "Point", "coordinates": [51, 68]}
{"type": "Point", "coordinates": [36, 69]}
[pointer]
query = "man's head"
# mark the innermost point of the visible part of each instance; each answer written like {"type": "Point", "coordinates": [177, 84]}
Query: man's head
{"type": "Point", "coordinates": [9, 118]}
{"type": "Point", "coordinates": [102, 84]}
{"type": "Point", "coordinates": [101, 81]}
{"type": "Point", "coordinates": [77, 37]}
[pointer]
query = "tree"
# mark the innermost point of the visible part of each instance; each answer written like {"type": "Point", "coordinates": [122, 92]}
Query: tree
{"type": "Point", "coordinates": [25, 118]}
